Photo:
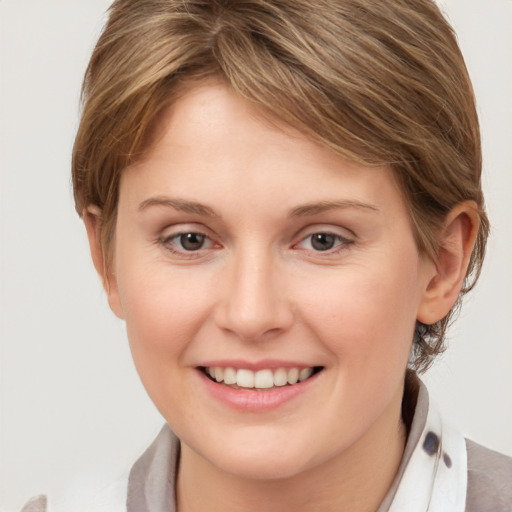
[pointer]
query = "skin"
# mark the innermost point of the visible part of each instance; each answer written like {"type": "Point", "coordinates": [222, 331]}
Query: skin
{"type": "Point", "coordinates": [258, 289]}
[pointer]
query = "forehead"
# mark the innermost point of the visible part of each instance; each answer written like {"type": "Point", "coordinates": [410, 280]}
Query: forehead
{"type": "Point", "coordinates": [214, 144]}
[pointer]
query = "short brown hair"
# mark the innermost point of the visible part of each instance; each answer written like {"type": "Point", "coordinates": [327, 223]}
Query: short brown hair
{"type": "Point", "coordinates": [382, 83]}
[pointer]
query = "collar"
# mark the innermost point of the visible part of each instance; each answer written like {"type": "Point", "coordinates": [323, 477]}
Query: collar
{"type": "Point", "coordinates": [433, 473]}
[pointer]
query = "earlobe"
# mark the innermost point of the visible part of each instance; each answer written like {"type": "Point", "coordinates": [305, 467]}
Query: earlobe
{"type": "Point", "coordinates": [92, 218]}
{"type": "Point", "coordinates": [456, 243]}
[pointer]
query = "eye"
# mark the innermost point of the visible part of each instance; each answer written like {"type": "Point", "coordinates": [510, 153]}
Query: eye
{"type": "Point", "coordinates": [323, 242]}
{"type": "Point", "coordinates": [190, 241]}
{"type": "Point", "coordinates": [187, 242]}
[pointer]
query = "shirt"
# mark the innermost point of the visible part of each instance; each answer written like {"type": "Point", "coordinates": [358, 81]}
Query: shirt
{"type": "Point", "coordinates": [440, 471]}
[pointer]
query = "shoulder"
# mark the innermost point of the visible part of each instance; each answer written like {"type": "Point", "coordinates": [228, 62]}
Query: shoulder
{"type": "Point", "coordinates": [147, 485]}
{"type": "Point", "coordinates": [36, 504]}
{"type": "Point", "coordinates": [83, 497]}
{"type": "Point", "coordinates": [489, 480]}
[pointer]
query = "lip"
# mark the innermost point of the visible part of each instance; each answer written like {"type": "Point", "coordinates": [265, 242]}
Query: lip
{"type": "Point", "coordinates": [251, 400]}
{"type": "Point", "coordinates": [270, 364]}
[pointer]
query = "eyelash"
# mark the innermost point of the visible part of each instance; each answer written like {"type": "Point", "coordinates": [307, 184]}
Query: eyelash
{"type": "Point", "coordinates": [341, 243]}
{"type": "Point", "coordinates": [171, 242]}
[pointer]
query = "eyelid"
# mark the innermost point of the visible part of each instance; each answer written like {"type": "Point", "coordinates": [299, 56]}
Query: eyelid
{"type": "Point", "coordinates": [180, 234]}
{"type": "Point", "coordinates": [182, 228]}
{"type": "Point", "coordinates": [343, 240]}
{"type": "Point", "coordinates": [165, 239]}
{"type": "Point", "coordinates": [336, 235]}
{"type": "Point", "coordinates": [332, 229]}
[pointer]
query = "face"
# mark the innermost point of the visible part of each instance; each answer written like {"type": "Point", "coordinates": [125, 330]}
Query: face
{"type": "Point", "coordinates": [247, 255]}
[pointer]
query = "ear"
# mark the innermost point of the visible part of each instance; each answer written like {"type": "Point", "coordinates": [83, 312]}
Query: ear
{"type": "Point", "coordinates": [93, 220]}
{"type": "Point", "coordinates": [456, 243]}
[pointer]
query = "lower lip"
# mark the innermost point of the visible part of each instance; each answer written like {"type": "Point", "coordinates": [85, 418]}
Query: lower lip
{"type": "Point", "coordinates": [252, 400]}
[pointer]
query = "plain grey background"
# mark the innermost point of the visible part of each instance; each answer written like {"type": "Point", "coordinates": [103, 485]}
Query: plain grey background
{"type": "Point", "coordinates": [72, 407]}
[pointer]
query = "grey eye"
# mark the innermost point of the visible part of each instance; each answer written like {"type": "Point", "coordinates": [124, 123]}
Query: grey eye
{"type": "Point", "coordinates": [192, 241]}
{"type": "Point", "coordinates": [323, 241]}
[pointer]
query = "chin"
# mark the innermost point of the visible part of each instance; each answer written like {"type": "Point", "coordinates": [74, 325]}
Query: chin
{"type": "Point", "coordinates": [263, 466]}
{"type": "Point", "coordinates": [259, 457]}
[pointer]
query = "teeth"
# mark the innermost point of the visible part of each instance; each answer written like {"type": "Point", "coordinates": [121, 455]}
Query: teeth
{"type": "Point", "coordinates": [293, 376]}
{"type": "Point", "coordinates": [280, 377]}
{"type": "Point", "coordinates": [305, 373]}
{"type": "Point", "coordinates": [229, 376]}
{"type": "Point", "coordinates": [262, 379]}
{"type": "Point", "coordinates": [245, 378]}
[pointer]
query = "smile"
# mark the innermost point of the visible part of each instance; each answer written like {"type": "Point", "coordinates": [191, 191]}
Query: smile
{"type": "Point", "coordinates": [261, 379]}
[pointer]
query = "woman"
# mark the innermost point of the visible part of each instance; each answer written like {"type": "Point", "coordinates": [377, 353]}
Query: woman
{"type": "Point", "coordinates": [283, 200]}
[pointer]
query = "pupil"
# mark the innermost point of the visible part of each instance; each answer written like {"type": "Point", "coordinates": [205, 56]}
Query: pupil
{"type": "Point", "coordinates": [192, 241]}
{"type": "Point", "coordinates": [322, 241]}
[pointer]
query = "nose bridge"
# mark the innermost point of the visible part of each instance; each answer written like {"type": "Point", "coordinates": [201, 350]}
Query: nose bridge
{"type": "Point", "coordinates": [255, 304]}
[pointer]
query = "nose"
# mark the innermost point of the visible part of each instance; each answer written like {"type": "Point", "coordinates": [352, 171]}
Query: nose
{"type": "Point", "coordinates": [254, 303]}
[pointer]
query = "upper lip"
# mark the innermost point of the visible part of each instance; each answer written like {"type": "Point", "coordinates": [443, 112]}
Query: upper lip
{"type": "Point", "coordinates": [271, 364]}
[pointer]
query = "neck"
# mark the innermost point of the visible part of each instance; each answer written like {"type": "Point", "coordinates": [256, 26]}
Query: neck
{"type": "Point", "coordinates": [356, 480]}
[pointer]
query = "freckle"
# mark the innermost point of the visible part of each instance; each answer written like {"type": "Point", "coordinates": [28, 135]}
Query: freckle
{"type": "Point", "coordinates": [447, 460]}
{"type": "Point", "coordinates": [431, 443]}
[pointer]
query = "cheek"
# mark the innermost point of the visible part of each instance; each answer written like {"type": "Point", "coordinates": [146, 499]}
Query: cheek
{"type": "Point", "coordinates": [365, 316]}
{"type": "Point", "coordinates": [163, 316]}
{"type": "Point", "coordinates": [163, 310]}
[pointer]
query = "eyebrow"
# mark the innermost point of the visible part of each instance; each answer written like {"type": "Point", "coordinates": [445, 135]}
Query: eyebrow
{"type": "Point", "coordinates": [300, 211]}
{"type": "Point", "coordinates": [178, 204]}
{"type": "Point", "coordinates": [323, 206]}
